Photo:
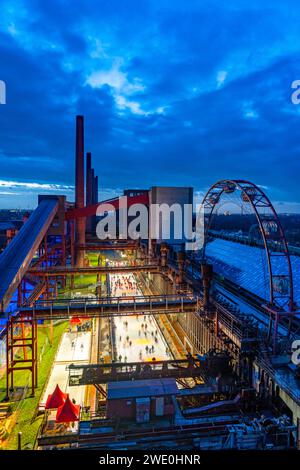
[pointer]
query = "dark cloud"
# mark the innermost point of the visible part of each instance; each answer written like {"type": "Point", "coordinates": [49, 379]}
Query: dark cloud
{"type": "Point", "coordinates": [189, 93]}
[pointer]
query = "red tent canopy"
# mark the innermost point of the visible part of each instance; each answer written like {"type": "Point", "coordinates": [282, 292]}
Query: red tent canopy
{"type": "Point", "coordinates": [56, 399]}
{"type": "Point", "coordinates": [75, 321]}
{"type": "Point", "coordinates": [68, 412]}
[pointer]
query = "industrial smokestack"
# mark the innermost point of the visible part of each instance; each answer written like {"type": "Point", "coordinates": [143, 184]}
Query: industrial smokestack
{"type": "Point", "coordinates": [88, 178]}
{"type": "Point", "coordinates": [79, 171]}
{"type": "Point", "coordinates": [95, 200]}
{"type": "Point", "coordinates": [79, 189]}
{"type": "Point", "coordinates": [96, 189]}
{"type": "Point", "coordinates": [89, 195]}
{"type": "Point", "coordinates": [92, 186]}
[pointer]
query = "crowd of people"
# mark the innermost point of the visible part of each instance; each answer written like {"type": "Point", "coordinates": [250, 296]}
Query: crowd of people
{"type": "Point", "coordinates": [123, 285]}
{"type": "Point", "coordinates": [146, 330]}
{"type": "Point", "coordinates": [137, 338]}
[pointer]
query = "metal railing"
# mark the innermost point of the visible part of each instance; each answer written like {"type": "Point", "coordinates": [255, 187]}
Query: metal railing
{"type": "Point", "coordinates": [288, 386]}
{"type": "Point", "coordinates": [140, 304]}
{"type": "Point", "coordinates": [131, 299]}
{"type": "Point", "coordinates": [126, 266]}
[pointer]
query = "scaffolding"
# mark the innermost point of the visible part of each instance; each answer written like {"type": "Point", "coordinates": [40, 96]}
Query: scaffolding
{"type": "Point", "coordinates": [21, 350]}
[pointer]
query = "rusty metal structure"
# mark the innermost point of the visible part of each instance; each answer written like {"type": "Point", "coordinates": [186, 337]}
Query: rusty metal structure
{"type": "Point", "coordinates": [21, 333]}
{"type": "Point", "coordinates": [93, 374]}
{"type": "Point", "coordinates": [281, 296]}
{"type": "Point", "coordinates": [206, 320]}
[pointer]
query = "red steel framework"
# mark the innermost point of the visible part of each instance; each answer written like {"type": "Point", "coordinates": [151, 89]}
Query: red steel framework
{"type": "Point", "coordinates": [17, 338]}
{"type": "Point", "coordinates": [281, 297]}
{"type": "Point", "coordinates": [91, 210]}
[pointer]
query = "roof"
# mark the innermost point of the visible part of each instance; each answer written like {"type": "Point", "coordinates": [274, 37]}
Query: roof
{"type": "Point", "coordinates": [68, 412]}
{"type": "Point", "coordinates": [141, 388]}
{"type": "Point", "coordinates": [56, 399]}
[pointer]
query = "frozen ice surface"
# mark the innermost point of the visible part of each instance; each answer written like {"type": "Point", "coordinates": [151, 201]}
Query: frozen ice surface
{"type": "Point", "coordinates": [138, 330]}
{"type": "Point", "coordinates": [74, 348]}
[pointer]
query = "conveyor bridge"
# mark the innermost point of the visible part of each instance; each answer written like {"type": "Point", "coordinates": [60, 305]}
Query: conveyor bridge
{"type": "Point", "coordinates": [16, 258]}
{"type": "Point", "coordinates": [112, 306]}
{"type": "Point", "coordinates": [91, 374]}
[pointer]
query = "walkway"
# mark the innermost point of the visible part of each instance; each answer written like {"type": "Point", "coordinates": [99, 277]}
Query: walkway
{"type": "Point", "coordinates": [74, 349]}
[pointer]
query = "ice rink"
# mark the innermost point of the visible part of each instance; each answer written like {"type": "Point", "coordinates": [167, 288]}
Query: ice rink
{"type": "Point", "coordinates": [74, 348]}
{"type": "Point", "coordinates": [138, 338]}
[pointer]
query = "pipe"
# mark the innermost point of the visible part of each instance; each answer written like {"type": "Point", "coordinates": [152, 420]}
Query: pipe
{"type": "Point", "coordinates": [88, 178]}
{"type": "Point", "coordinates": [96, 189]}
{"type": "Point", "coordinates": [92, 186]}
{"type": "Point", "coordinates": [88, 183]}
{"type": "Point", "coordinates": [207, 276]}
{"type": "Point", "coordinates": [163, 254]}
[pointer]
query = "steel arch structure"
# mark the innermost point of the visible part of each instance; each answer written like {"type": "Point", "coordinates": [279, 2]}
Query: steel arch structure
{"type": "Point", "coordinates": [281, 295]}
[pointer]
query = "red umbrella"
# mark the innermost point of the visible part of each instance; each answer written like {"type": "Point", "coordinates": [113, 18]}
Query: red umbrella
{"type": "Point", "coordinates": [56, 399]}
{"type": "Point", "coordinates": [75, 321]}
{"type": "Point", "coordinates": [68, 412]}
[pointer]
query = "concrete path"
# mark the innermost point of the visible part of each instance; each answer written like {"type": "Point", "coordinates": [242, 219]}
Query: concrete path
{"type": "Point", "coordinates": [74, 348]}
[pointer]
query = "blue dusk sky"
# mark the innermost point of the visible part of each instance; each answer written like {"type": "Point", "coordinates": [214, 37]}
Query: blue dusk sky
{"type": "Point", "coordinates": [175, 93]}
